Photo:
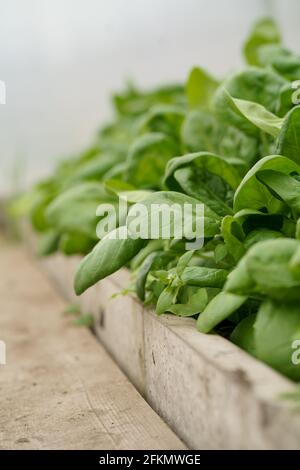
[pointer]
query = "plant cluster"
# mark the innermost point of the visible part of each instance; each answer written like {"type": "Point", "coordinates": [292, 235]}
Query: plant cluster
{"type": "Point", "coordinates": [231, 144]}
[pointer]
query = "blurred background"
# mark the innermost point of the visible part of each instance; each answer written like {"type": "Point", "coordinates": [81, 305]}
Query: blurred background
{"type": "Point", "coordinates": [62, 59]}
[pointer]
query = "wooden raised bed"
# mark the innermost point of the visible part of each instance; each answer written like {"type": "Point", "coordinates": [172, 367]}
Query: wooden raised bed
{"type": "Point", "coordinates": [211, 393]}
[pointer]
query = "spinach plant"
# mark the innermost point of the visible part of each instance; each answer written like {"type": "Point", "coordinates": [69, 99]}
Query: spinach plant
{"type": "Point", "coordinates": [232, 144]}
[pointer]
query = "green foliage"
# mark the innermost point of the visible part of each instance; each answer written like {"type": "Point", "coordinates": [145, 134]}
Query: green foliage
{"type": "Point", "coordinates": [265, 31]}
{"type": "Point", "coordinates": [200, 88]}
{"type": "Point", "coordinates": [265, 270]}
{"type": "Point", "coordinates": [219, 308]}
{"type": "Point", "coordinates": [288, 142]}
{"type": "Point", "coordinates": [111, 253]}
{"type": "Point", "coordinates": [232, 145]}
{"type": "Point", "coordinates": [253, 194]}
{"type": "Point", "coordinates": [276, 327]}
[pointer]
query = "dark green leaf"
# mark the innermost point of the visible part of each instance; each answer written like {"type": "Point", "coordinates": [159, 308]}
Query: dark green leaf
{"type": "Point", "coordinates": [218, 309]}
{"type": "Point", "coordinates": [244, 334]}
{"type": "Point", "coordinates": [110, 254]}
{"type": "Point", "coordinates": [276, 329]}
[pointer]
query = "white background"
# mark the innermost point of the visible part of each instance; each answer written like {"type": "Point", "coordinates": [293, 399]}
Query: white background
{"type": "Point", "coordinates": [61, 59]}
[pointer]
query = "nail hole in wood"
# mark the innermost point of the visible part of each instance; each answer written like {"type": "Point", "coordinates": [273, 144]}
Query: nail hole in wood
{"type": "Point", "coordinates": [153, 358]}
{"type": "Point", "coordinates": [102, 318]}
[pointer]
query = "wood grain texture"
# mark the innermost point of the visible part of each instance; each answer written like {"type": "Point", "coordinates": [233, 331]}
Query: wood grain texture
{"type": "Point", "coordinates": [59, 388]}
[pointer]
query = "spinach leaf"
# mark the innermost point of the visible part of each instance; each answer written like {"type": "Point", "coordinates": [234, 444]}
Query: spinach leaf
{"type": "Point", "coordinates": [218, 309]}
{"type": "Point", "coordinates": [74, 243]}
{"type": "Point", "coordinates": [110, 254]}
{"type": "Point", "coordinates": [147, 159]}
{"type": "Point", "coordinates": [259, 116]}
{"type": "Point", "coordinates": [258, 85]}
{"type": "Point", "coordinates": [202, 131]}
{"type": "Point", "coordinates": [134, 102]}
{"type": "Point", "coordinates": [155, 260]}
{"type": "Point", "coordinates": [167, 298]}
{"type": "Point", "coordinates": [194, 305]}
{"type": "Point", "coordinates": [265, 31]}
{"type": "Point", "coordinates": [233, 236]}
{"type": "Point", "coordinates": [74, 210]}
{"type": "Point", "coordinates": [253, 194]}
{"type": "Point", "coordinates": [275, 328]}
{"type": "Point", "coordinates": [265, 270]}
{"type": "Point", "coordinates": [244, 334]}
{"type": "Point", "coordinates": [218, 177]}
{"type": "Point", "coordinates": [151, 247]}
{"type": "Point", "coordinates": [204, 277]}
{"type": "Point", "coordinates": [150, 217]}
{"type": "Point", "coordinates": [281, 59]}
{"type": "Point", "coordinates": [286, 188]}
{"type": "Point", "coordinates": [199, 131]}
{"type": "Point", "coordinates": [288, 141]}
{"type": "Point", "coordinates": [248, 116]}
{"type": "Point", "coordinates": [200, 88]}
{"type": "Point", "coordinates": [165, 119]}
{"type": "Point", "coordinates": [48, 243]}
{"type": "Point", "coordinates": [295, 264]}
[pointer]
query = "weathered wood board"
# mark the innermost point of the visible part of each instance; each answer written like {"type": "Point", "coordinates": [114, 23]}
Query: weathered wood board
{"type": "Point", "coordinates": [59, 387]}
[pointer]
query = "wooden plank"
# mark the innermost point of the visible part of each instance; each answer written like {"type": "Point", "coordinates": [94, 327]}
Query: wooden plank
{"type": "Point", "coordinates": [217, 395]}
{"type": "Point", "coordinates": [210, 392]}
{"type": "Point", "coordinates": [59, 388]}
